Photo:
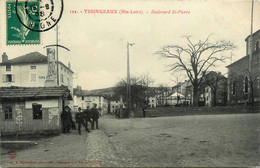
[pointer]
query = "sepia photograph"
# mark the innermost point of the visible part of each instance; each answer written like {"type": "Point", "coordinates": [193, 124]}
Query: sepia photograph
{"type": "Point", "coordinates": [130, 83]}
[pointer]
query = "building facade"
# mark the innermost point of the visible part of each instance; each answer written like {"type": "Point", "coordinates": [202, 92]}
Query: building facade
{"type": "Point", "coordinates": [26, 110]}
{"type": "Point", "coordinates": [243, 76]}
{"type": "Point", "coordinates": [31, 70]}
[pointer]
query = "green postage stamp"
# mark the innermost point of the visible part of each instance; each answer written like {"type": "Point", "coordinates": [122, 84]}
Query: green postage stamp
{"type": "Point", "coordinates": [17, 33]}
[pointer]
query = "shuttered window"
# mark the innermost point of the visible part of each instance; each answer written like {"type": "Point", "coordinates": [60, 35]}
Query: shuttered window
{"type": "Point", "coordinates": [8, 78]}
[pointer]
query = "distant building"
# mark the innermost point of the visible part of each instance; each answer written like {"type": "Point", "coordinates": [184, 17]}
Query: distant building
{"type": "Point", "coordinates": [84, 99]}
{"type": "Point", "coordinates": [239, 77]}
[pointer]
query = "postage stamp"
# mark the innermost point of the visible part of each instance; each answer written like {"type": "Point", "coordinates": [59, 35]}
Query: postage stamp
{"type": "Point", "coordinates": [39, 15]}
{"type": "Point", "coordinates": [16, 32]}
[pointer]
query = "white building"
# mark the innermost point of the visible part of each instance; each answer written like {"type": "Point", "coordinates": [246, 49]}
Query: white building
{"type": "Point", "coordinates": [85, 101]}
{"type": "Point", "coordinates": [31, 70]}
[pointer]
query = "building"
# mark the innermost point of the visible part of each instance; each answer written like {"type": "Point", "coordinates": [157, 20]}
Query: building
{"type": "Point", "coordinates": [243, 79]}
{"type": "Point", "coordinates": [32, 109]}
{"type": "Point", "coordinates": [84, 99]}
{"type": "Point", "coordinates": [34, 70]}
{"type": "Point", "coordinates": [32, 94]}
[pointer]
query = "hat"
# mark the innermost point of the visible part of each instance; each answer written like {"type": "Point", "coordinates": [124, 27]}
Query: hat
{"type": "Point", "coordinates": [67, 107]}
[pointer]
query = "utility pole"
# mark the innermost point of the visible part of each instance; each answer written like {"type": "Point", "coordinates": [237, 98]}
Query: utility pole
{"type": "Point", "coordinates": [128, 78]}
{"type": "Point", "coordinates": [250, 97]}
{"type": "Point", "coordinates": [57, 43]}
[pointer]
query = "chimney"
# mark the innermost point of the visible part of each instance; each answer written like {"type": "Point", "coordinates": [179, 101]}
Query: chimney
{"type": "Point", "coordinates": [4, 57]}
{"type": "Point", "coordinates": [69, 65]}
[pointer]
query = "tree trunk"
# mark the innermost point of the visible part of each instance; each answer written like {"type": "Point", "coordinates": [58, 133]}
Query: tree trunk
{"type": "Point", "coordinates": [214, 98]}
{"type": "Point", "coordinates": [195, 95]}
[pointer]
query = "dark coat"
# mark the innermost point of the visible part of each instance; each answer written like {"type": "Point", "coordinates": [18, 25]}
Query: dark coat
{"type": "Point", "coordinates": [94, 113]}
{"type": "Point", "coordinates": [79, 117]}
{"type": "Point", "coordinates": [87, 114]}
{"type": "Point", "coordinates": [66, 115]}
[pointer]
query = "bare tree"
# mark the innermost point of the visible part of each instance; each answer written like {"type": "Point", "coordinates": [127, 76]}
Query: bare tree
{"type": "Point", "coordinates": [196, 59]}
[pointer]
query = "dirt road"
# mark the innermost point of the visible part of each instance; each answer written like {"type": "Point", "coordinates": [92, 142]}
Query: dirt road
{"type": "Point", "coordinates": [203, 140]}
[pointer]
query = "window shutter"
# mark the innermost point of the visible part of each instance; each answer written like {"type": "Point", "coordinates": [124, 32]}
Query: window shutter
{"type": "Point", "coordinates": [4, 78]}
{"type": "Point", "coordinates": [13, 77]}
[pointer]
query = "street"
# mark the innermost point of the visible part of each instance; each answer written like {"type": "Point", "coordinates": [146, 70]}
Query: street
{"type": "Point", "coordinates": [198, 140]}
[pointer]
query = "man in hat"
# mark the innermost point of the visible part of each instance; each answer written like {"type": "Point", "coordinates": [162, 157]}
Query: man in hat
{"type": "Point", "coordinates": [95, 116]}
{"type": "Point", "coordinates": [87, 118]}
{"type": "Point", "coordinates": [80, 120]}
{"type": "Point", "coordinates": [66, 119]}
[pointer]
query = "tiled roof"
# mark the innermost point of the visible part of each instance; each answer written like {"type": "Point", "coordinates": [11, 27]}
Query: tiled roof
{"type": "Point", "coordinates": [33, 57]}
{"type": "Point", "coordinates": [32, 92]}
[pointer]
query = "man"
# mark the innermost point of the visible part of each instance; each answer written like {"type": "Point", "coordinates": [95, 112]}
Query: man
{"type": "Point", "coordinates": [79, 119]}
{"type": "Point", "coordinates": [144, 110]}
{"type": "Point", "coordinates": [87, 117]}
{"type": "Point", "coordinates": [95, 116]}
{"type": "Point", "coordinates": [66, 119]}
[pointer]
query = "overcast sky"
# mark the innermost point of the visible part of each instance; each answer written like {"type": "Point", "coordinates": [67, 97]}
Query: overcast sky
{"type": "Point", "coordinates": [98, 41]}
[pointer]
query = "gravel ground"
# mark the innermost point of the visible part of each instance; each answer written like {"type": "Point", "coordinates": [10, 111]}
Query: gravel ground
{"type": "Point", "coordinates": [202, 140]}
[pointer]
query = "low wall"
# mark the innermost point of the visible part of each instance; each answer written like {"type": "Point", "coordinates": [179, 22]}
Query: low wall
{"type": "Point", "coordinates": [178, 111]}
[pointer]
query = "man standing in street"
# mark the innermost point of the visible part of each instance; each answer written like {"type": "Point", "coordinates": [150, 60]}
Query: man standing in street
{"type": "Point", "coordinates": [79, 116]}
{"type": "Point", "coordinates": [66, 119]}
{"type": "Point", "coordinates": [87, 117]}
{"type": "Point", "coordinates": [95, 116]}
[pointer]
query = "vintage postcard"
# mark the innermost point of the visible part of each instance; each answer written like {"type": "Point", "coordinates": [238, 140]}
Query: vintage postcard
{"type": "Point", "coordinates": [130, 83]}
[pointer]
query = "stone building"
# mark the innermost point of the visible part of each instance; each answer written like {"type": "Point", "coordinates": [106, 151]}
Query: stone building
{"type": "Point", "coordinates": [243, 78]}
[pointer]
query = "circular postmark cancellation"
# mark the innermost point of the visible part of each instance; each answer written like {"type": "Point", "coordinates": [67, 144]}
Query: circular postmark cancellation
{"type": "Point", "coordinates": [39, 15]}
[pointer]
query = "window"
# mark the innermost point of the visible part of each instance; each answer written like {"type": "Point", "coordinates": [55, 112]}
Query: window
{"type": "Point", "coordinates": [61, 68]}
{"type": "Point", "coordinates": [32, 77]}
{"type": "Point", "coordinates": [33, 67]}
{"type": "Point", "coordinates": [8, 110]}
{"type": "Point", "coordinates": [61, 77]}
{"type": "Point", "coordinates": [246, 85]}
{"type": "Point", "coordinates": [257, 46]}
{"type": "Point", "coordinates": [8, 78]}
{"type": "Point", "coordinates": [99, 98]}
{"type": "Point", "coordinates": [37, 111]}
{"type": "Point", "coordinates": [234, 87]}
{"type": "Point", "coordinates": [8, 68]}
{"type": "Point", "coordinates": [82, 98]}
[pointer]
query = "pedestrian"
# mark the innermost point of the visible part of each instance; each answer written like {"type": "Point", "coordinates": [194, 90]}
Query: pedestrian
{"type": "Point", "coordinates": [144, 110]}
{"type": "Point", "coordinates": [66, 119]}
{"type": "Point", "coordinates": [87, 118]}
{"type": "Point", "coordinates": [79, 116]}
{"type": "Point", "coordinates": [95, 116]}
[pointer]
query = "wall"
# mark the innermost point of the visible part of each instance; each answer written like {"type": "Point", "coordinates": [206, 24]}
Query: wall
{"type": "Point", "coordinates": [67, 77]}
{"type": "Point", "coordinates": [22, 75]}
{"type": "Point", "coordinates": [23, 121]}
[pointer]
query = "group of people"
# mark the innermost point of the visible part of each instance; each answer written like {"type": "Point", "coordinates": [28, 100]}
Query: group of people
{"type": "Point", "coordinates": [82, 118]}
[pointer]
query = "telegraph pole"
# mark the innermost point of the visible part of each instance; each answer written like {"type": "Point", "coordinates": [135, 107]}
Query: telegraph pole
{"type": "Point", "coordinates": [128, 79]}
{"type": "Point", "coordinates": [57, 43]}
{"type": "Point", "coordinates": [250, 92]}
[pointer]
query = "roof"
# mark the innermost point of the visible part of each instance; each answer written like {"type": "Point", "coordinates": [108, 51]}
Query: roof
{"type": "Point", "coordinates": [32, 92]}
{"type": "Point", "coordinates": [258, 31]}
{"type": "Point", "coordinates": [30, 58]}
{"type": "Point", "coordinates": [33, 57]}
{"type": "Point", "coordinates": [241, 59]}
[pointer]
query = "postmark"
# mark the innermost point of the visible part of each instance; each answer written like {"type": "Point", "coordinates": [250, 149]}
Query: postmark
{"type": "Point", "coordinates": [39, 15]}
{"type": "Point", "coordinates": [16, 32]}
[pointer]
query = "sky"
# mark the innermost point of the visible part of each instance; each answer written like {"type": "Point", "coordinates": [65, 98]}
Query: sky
{"type": "Point", "coordinates": [98, 42]}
